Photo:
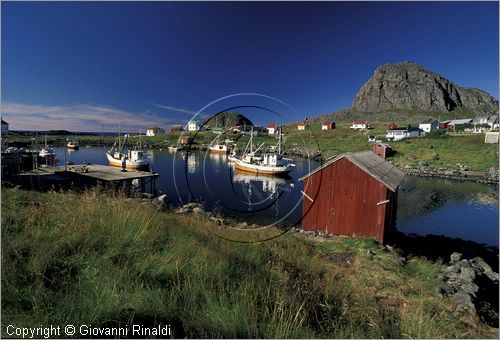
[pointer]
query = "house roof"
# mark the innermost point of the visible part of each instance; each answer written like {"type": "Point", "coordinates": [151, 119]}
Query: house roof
{"type": "Point", "coordinates": [4, 122]}
{"type": "Point", "coordinates": [154, 128]}
{"type": "Point", "coordinates": [272, 126]}
{"type": "Point", "coordinates": [375, 166]}
{"type": "Point", "coordinates": [460, 121]}
{"type": "Point", "coordinates": [493, 119]}
{"type": "Point", "coordinates": [328, 123]}
{"type": "Point", "coordinates": [428, 121]}
{"type": "Point", "coordinates": [302, 123]}
{"type": "Point", "coordinates": [193, 121]}
{"type": "Point", "coordinates": [360, 122]}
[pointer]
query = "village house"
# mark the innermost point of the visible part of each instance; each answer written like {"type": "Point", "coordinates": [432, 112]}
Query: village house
{"type": "Point", "coordinates": [404, 133]}
{"type": "Point", "coordinates": [302, 126]}
{"type": "Point", "coordinates": [328, 126]}
{"type": "Point", "coordinates": [272, 129]}
{"type": "Point", "coordinates": [455, 122]}
{"type": "Point", "coordinates": [429, 125]}
{"type": "Point", "coordinates": [193, 125]}
{"type": "Point", "coordinates": [493, 122]}
{"type": "Point", "coordinates": [359, 125]}
{"type": "Point", "coordinates": [354, 194]}
{"type": "Point", "coordinates": [382, 149]}
{"type": "Point", "coordinates": [154, 131]}
{"type": "Point", "coordinates": [5, 128]}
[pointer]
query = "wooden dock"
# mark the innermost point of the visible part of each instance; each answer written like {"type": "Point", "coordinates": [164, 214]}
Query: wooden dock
{"type": "Point", "coordinates": [88, 174]}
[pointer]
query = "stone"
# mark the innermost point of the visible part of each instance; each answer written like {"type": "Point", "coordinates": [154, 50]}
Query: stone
{"type": "Point", "coordinates": [147, 195]}
{"type": "Point", "coordinates": [401, 261]}
{"type": "Point", "coordinates": [370, 254]}
{"type": "Point", "coordinates": [467, 274]}
{"type": "Point", "coordinates": [464, 302]}
{"type": "Point", "coordinates": [198, 210]}
{"type": "Point", "coordinates": [440, 292]}
{"type": "Point", "coordinates": [479, 263]}
{"type": "Point", "coordinates": [455, 257]}
{"type": "Point", "coordinates": [407, 85]}
{"type": "Point", "coordinates": [242, 225]}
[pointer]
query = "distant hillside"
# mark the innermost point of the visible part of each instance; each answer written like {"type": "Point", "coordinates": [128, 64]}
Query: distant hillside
{"type": "Point", "coordinates": [227, 119]}
{"type": "Point", "coordinates": [408, 91]}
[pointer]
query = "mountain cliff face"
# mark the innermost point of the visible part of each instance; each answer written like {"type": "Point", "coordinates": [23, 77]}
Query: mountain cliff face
{"type": "Point", "coordinates": [408, 86]}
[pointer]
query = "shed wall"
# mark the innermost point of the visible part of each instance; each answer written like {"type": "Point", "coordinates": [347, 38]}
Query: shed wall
{"type": "Point", "coordinates": [345, 202]}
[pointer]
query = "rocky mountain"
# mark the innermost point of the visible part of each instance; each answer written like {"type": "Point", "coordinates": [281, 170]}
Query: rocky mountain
{"type": "Point", "coordinates": [407, 85]}
{"type": "Point", "coordinates": [227, 119]}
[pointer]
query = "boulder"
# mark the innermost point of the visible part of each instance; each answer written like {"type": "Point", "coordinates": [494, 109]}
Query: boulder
{"type": "Point", "coordinates": [455, 257]}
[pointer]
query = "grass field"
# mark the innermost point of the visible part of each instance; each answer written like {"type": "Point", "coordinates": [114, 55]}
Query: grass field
{"type": "Point", "coordinates": [92, 259]}
{"type": "Point", "coordinates": [444, 151]}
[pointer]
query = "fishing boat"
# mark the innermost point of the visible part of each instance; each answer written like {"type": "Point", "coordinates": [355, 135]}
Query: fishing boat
{"type": "Point", "coordinates": [269, 163]}
{"type": "Point", "coordinates": [134, 158]}
{"type": "Point", "coordinates": [218, 147]}
{"type": "Point", "coordinates": [174, 148]}
{"type": "Point", "coordinates": [46, 151]}
{"type": "Point", "coordinates": [73, 145]}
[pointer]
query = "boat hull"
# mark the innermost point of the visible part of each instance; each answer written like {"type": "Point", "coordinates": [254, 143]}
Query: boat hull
{"type": "Point", "coordinates": [261, 169]}
{"type": "Point", "coordinates": [218, 151]}
{"type": "Point", "coordinates": [128, 164]}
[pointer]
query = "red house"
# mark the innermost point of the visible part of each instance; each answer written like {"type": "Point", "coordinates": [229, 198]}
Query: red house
{"type": "Point", "coordinates": [393, 126]}
{"type": "Point", "coordinates": [354, 194]}
{"type": "Point", "coordinates": [328, 125]}
{"type": "Point", "coordinates": [382, 149]}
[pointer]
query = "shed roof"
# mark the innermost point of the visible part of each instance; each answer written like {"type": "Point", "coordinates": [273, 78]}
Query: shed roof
{"type": "Point", "coordinates": [460, 121]}
{"type": "Point", "coordinates": [374, 165]}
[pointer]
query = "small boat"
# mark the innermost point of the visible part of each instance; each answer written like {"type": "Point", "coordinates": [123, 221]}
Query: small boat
{"type": "Point", "coordinates": [73, 145]}
{"type": "Point", "coordinates": [218, 148]}
{"type": "Point", "coordinates": [175, 148]}
{"type": "Point", "coordinates": [46, 151]}
{"type": "Point", "coordinates": [134, 159]}
{"type": "Point", "coordinates": [269, 163]}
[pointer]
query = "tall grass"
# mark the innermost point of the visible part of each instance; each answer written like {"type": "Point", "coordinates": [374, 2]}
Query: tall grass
{"type": "Point", "coordinates": [92, 259]}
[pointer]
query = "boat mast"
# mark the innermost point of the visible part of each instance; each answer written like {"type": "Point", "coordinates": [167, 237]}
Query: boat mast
{"type": "Point", "coordinates": [279, 142]}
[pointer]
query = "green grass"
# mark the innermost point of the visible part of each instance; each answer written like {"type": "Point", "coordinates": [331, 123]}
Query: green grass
{"type": "Point", "coordinates": [92, 259]}
{"type": "Point", "coordinates": [444, 152]}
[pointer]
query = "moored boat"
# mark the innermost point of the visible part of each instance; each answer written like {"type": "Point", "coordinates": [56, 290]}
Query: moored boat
{"type": "Point", "coordinates": [269, 163]}
{"type": "Point", "coordinates": [134, 159]}
{"type": "Point", "coordinates": [74, 145]}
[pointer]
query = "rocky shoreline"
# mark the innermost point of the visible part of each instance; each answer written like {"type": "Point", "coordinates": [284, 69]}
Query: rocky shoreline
{"type": "Point", "coordinates": [461, 173]}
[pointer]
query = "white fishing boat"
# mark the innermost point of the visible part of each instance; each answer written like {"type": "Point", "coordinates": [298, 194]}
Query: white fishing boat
{"type": "Point", "coordinates": [73, 145]}
{"type": "Point", "coordinates": [217, 147]}
{"type": "Point", "coordinates": [134, 159]}
{"type": "Point", "coordinates": [269, 163]}
{"type": "Point", "coordinates": [46, 151]}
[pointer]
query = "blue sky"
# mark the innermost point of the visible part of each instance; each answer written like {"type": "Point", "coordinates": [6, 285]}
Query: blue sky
{"type": "Point", "coordinates": [93, 66]}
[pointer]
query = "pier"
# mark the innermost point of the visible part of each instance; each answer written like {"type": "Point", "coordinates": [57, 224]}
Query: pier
{"type": "Point", "coordinates": [90, 174]}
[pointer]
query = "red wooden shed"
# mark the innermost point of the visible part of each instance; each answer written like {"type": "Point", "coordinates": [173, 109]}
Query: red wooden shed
{"type": "Point", "coordinates": [354, 194]}
{"type": "Point", "coordinates": [382, 149]}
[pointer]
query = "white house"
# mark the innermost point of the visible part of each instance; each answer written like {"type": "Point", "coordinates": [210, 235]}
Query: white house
{"type": "Point", "coordinates": [429, 125]}
{"type": "Point", "coordinates": [193, 125]}
{"type": "Point", "coordinates": [403, 133]}
{"type": "Point", "coordinates": [5, 128]}
{"type": "Point", "coordinates": [302, 126]}
{"type": "Point", "coordinates": [493, 122]}
{"type": "Point", "coordinates": [153, 131]}
{"type": "Point", "coordinates": [359, 125]}
{"type": "Point", "coordinates": [272, 129]}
